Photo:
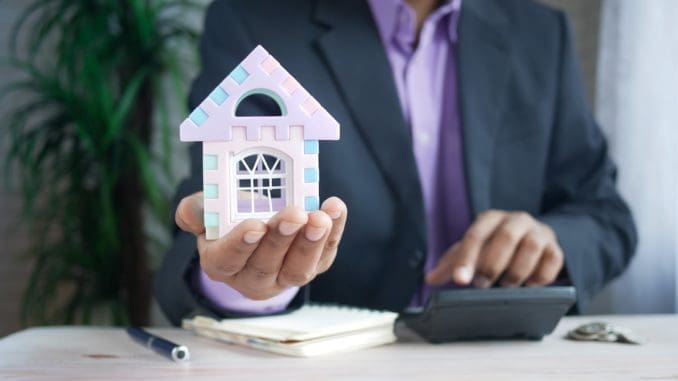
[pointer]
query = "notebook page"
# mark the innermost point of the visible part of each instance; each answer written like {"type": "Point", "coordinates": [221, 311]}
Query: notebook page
{"type": "Point", "coordinates": [310, 321]}
{"type": "Point", "coordinates": [346, 342]}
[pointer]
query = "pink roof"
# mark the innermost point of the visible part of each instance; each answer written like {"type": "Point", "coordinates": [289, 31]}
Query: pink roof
{"type": "Point", "coordinates": [258, 73]}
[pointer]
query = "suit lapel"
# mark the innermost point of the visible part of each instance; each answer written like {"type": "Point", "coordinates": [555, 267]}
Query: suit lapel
{"type": "Point", "coordinates": [356, 57]}
{"type": "Point", "coordinates": [354, 53]}
{"type": "Point", "coordinates": [484, 58]}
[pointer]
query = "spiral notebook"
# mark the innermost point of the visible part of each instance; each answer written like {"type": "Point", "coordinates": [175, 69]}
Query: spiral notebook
{"type": "Point", "coordinates": [309, 331]}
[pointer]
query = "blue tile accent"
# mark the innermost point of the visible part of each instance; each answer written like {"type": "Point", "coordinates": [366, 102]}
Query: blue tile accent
{"type": "Point", "coordinates": [239, 74]}
{"type": "Point", "coordinates": [198, 116]}
{"type": "Point", "coordinates": [210, 162]}
{"type": "Point", "coordinates": [218, 95]}
{"type": "Point", "coordinates": [311, 147]}
{"type": "Point", "coordinates": [311, 203]}
{"type": "Point", "coordinates": [211, 191]}
{"type": "Point", "coordinates": [211, 219]}
{"type": "Point", "coordinates": [310, 175]}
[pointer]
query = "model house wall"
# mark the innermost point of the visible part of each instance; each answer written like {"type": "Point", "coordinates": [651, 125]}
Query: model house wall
{"type": "Point", "coordinates": [253, 166]}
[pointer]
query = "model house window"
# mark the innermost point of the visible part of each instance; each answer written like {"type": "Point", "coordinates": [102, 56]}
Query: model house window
{"type": "Point", "coordinates": [261, 184]}
{"type": "Point", "coordinates": [258, 104]}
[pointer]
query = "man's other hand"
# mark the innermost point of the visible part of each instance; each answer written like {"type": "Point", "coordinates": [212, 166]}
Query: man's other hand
{"type": "Point", "coordinates": [259, 259]}
{"type": "Point", "coordinates": [510, 247]}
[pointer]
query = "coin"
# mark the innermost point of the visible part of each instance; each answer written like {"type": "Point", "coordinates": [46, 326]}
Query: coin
{"type": "Point", "coordinates": [574, 335]}
{"type": "Point", "coordinates": [626, 336]}
{"type": "Point", "coordinates": [593, 328]}
{"type": "Point", "coordinates": [604, 332]}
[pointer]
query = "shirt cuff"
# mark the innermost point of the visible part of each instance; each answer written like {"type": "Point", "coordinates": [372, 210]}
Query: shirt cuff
{"type": "Point", "coordinates": [228, 299]}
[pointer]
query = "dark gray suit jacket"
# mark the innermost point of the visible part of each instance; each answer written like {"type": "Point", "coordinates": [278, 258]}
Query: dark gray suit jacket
{"type": "Point", "coordinates": [530, 142]}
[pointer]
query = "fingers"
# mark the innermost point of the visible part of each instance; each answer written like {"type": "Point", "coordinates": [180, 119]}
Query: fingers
{"type": "Point", "coordinates": [261, 270]}
{"type": "Point", "coordinates": [525, 260]}
{"type": "Point", "coordinates": [514, 244]}
{"type": "Point", "coordinates": [459, 265]}
{"type": "Point", "coordinates": [260, 260]}
{"type": "Point", "coordinates": [223, 258]}
{"type": "Point", "coordinates": [302, 259]}
{"type": "Point", "coordinates": [499, 250]}
{"type": "Point", "coordinates": [336, 209]}
{"type": "Point", "coordinates": [445, 270]}
{"type": "Point", "coordinates": [549, 266]}
{"type": "Point", "coordinates": [189, 214]}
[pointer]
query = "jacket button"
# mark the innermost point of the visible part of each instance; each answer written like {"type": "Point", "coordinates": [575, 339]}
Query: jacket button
{"type": "Point", "coordinates": [416, 259]}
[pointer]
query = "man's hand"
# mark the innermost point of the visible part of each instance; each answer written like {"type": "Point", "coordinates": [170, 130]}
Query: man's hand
{"type": "Point", "coordinates": [259, 259]}
{"type": "Point", "coordinates": [510, 245]}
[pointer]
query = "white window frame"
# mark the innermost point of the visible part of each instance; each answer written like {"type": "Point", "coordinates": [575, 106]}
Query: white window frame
{"type": "Point", "coordinates": [285, 177]}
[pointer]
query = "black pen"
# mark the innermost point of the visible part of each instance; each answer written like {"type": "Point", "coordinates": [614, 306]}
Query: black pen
{"type": "Point", "coordinates": [176, 352]}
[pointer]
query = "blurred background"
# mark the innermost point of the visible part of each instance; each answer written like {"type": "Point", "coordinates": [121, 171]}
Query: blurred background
{"type": "Point", "coordinates": [134, 65]}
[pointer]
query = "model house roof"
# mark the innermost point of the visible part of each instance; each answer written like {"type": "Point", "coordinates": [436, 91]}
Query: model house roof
{"type": "Point", "coordinates": [259, 73]}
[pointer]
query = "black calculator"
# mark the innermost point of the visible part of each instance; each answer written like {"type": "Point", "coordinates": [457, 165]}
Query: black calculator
{"type": "Point", "coordinates": [526, 313]}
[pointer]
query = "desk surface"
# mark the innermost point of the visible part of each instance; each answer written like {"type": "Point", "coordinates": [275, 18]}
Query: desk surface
{"type": "Point", "coordinates": [86, 353]}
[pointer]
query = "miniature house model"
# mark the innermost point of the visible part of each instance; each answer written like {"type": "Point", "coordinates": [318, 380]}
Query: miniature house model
{"type": "Point", "coordinates": [254, 166]}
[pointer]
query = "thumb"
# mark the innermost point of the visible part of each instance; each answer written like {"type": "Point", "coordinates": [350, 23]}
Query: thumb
{"type": "Point", "coordinates": [449, 269]}
{"type": "Point", "coordinates": [189, 215]}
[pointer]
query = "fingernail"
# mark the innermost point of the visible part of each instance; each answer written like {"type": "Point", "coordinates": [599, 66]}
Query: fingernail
{"type": "Point", "coordinates": [334, 214]}
{"type": "Point", "coordinates": [463, 274]}
{"type": "Point", "coordinates": [482, 281]}
{"type": "Point", "coordinates": [288, 228]}
{"type": "Point", "coordinates": [252, 237]}
{"type": "Point", "coordinates": [314, 233]}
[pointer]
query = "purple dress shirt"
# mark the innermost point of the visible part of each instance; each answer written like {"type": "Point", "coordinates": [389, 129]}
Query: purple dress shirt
{"type": "Point", "coordinates": [424, 72]}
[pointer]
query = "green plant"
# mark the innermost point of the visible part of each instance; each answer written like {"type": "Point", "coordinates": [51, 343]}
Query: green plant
{"type": "Point", "coordinates": [79, 147]}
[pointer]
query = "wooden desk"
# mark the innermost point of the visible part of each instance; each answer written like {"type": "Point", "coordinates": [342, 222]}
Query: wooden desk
{"type": "Point", "coordinates": [81, 353]}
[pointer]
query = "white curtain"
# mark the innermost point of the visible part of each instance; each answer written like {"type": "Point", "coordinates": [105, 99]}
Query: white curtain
{"type": "Point", "coordinates": [637, 105]}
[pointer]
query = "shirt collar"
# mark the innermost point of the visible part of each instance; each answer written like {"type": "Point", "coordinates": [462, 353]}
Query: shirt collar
{"type": "Point", "coordinates": [396, 20]}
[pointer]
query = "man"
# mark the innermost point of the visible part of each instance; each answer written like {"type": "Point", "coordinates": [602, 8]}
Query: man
{"type": "Point", "coordinates": [467, 157]}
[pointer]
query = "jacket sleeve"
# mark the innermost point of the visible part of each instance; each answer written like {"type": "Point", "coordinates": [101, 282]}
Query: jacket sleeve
{"type": "Point", "coordinates": [581, 203]}
{"type": "Point", "coordinates": [224, 43]}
